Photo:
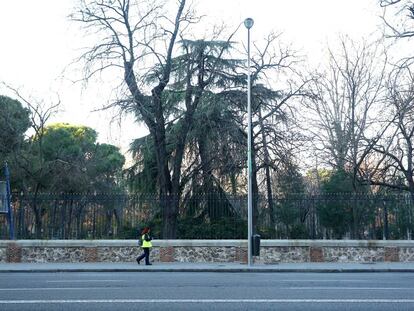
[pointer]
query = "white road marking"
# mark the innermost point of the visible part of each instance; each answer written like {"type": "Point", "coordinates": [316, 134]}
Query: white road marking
{"type": "Point", "coordinates": [79, 281]}
{"type": "Point", "coordinates": [55, 288]}
{"type": "Point", "coordinates": [288, 288]}
{"type": "Point", "coordinates": [351, 288]}
{"type": "Point", "coordinates": [323, 281]}
{"type": "Point", "coordinates": [201, 301]}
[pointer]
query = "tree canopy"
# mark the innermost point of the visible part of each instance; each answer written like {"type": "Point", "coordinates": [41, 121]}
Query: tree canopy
{"type": "Point", "coordinates": [14, 122]}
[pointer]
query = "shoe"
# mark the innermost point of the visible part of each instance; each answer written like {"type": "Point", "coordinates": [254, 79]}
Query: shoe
{"type": "Point", "coordinates": [137, 261]}
{"type": "Point", "coordinates": [148, 264]}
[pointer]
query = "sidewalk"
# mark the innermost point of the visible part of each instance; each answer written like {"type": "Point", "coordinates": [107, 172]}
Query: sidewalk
{"type": "Point", "coordinates": [207, 267]}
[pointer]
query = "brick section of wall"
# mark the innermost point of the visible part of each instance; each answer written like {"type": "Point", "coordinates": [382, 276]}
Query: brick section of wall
{"type": "Point", "coordinates": [91, 254]}
{"type": "Point", "coordinates": [167, 254]}
{"type": "Point", "coordinates": [240, 255]}
{"type": "Point", "coordinates": [13, 253]}
{"type": "Point", "coordinates": [392, 254]}
{"type": "Point", "coordinates": [316, 254]}
{"type": "Point", "coordinates": [3, 254]}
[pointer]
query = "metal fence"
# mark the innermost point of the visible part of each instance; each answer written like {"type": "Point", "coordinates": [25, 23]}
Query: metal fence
{"type": "Point", "coordinates": [211, 216]}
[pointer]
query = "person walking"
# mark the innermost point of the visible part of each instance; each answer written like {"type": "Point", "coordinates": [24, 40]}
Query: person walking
{"type": "Point", "coordinates": [146, 245]}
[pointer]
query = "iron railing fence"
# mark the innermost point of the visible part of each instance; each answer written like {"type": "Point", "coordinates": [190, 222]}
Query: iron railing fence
{"type": "Point", "coordinates": [338, 216]}
{"type": "Point", "coordinates": [212, 216]}
{"type": "Point", "coordinates": [3, 197]}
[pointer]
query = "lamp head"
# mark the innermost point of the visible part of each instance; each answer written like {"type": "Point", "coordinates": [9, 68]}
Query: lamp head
{"type": "Point", "coordinates": [248, 22]}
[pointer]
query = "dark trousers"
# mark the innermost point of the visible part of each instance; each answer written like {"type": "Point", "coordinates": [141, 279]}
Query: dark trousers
{"type": "Point", "coordinates": [145, 254]}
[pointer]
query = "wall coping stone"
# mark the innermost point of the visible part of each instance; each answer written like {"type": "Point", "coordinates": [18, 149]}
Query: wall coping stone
{"type": "Point", "coordinates": [210, 243]}
{"type": "Point", "coordinates": [338, 243]}
{"type": "Point", "coordinates": [124, 243]}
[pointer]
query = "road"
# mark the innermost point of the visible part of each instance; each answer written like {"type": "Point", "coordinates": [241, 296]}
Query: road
{"type": "Point", "coordinates": [206, 291]}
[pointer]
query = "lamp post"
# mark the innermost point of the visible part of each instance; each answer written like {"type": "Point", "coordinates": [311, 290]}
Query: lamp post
{"type": "Point", "coordinates": [248, 22]}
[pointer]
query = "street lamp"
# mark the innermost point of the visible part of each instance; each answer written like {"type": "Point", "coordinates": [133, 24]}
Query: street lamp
{"type": "Point", "coordinates": [248, 22]}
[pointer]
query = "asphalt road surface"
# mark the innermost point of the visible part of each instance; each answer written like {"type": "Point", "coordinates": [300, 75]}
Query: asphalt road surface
{"type": "Point", "coordinates": [206, 291]}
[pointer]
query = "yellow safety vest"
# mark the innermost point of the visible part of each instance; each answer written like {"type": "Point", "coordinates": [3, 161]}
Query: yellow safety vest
{"type": "Point", "coordinates": [145, 244]}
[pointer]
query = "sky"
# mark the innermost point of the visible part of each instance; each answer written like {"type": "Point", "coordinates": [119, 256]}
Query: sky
{"type": "Point", "coordinates": [40, 43]}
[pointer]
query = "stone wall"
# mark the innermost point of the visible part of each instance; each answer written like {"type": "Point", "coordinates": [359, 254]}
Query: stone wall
{"type": "Point", "coordinates": [272, 251]}
{"type": "Point", "coordinates": [406, 254]}
{"type": "Point", "coordinates": [353, 254]}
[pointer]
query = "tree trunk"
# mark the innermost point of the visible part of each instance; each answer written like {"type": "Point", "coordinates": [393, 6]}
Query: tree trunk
{"type": "Point", "coordinates": [385, 233]}
{"type": "Point", "coordinates": [108, 223]}
{"type": "Point", "coordinates": [164, 180]}
{"type": "Point", "coordinates": [37, 214]}
{"type": "Point", "coordinates": [156, 125]}
{"type": "Point", "coordinates": [170, 212]}
{"type": "Point", "coordinates": [268, 178]}
{"type": "Point", "coordinates": [218, 205]}
{"type": "Point", "coordinates": [410, 206]}
{"type": "Point", "coordinates": [69, 230]}
{"type": "Point", "coordinates": [205, 165]}
{"type": "Point", "coordinates": [38, 220]}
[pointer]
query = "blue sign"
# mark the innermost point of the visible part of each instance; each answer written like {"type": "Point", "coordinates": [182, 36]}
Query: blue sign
{"type": "Point", "coordinates": [5, 200]}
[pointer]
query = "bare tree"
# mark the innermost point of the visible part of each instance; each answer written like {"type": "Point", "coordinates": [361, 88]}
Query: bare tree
{"type": "Point", "coordinates": [394, 153]}
{"type": "Point", "coordinates": [277, 85]}
{"type": "Point", "coordinates": [31, 161]}
{"type": "Point", "coordinates": [40, 113]}
{"type": "Point", "coordinates": [392, 160]}
{"type": "Point", "coordinates": [134, 34]}
{"type": "Point", "coordinates": [345, 109]}
{"type": "Point", "coordinates": [398, 16]}
{"type": "Point", "coordinates": [346, 103]}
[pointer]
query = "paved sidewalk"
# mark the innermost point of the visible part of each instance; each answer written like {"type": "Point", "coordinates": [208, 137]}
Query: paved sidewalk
{"type": "Point", "coordinates": [206, 267]}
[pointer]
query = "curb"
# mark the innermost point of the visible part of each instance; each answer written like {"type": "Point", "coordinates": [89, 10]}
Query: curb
{"type": "Point", "coordinates": [236, 270]}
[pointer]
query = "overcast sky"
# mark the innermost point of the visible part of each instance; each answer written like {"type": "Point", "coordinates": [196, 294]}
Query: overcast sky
{"type": "Point", "coordinates": [39, 42]}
